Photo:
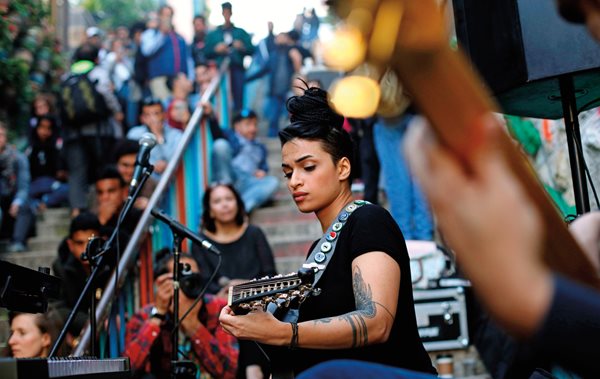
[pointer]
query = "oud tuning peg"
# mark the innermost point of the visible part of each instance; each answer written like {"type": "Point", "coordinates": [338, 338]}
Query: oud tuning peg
{"type": "Point", "coordinates": [355, 96]}
{"type": "Point", "coordinates": [346, 49]}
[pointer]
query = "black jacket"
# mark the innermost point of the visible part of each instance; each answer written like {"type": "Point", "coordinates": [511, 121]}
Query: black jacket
{"type": "Point", "coordinates": [74, 277]}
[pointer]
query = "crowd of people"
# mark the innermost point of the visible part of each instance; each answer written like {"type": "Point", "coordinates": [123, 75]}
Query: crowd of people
{"type": "Point", "coordinates": [145, 78]}
{"type": "Point", "coordinates": [363, 324]}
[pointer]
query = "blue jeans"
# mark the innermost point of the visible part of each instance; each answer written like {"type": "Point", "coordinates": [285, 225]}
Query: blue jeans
{"type": "Point", "coordinates": [254, 191]}
{"type": "Point", "coordinates": [48, 190]}
{"type": "Point", "coordinates": [347, 369]}
{"type": "Point", "coordinates": [20, 227]}
{"type": "Point", "coordinates": [238, 80]}
{"type": "Point", "coordinates": [407, 203]}
{"type": "Point", "coordinates": [274, 108]}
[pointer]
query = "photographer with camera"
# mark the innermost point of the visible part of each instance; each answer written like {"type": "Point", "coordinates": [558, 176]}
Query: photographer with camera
{"type": "Point", "coordinates": [148, 334]}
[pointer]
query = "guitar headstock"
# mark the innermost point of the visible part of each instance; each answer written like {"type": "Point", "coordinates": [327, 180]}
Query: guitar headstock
{"type": "Point", "coordinates": [410, 37]}
{"type": "Point", "coordinates": [380, 29]}
{"type": "Point", "coordinates": [281, 290]}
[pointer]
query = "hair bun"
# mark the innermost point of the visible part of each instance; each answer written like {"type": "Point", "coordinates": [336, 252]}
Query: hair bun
{"type": "Point", "coordinates": [312, 107]}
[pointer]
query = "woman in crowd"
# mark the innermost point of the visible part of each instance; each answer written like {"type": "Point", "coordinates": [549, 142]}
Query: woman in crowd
{"type": "Point", "coordinates": [245, 250]}
{"type": "Point", "coordinates": [47, 167]}
{"type": "Point", "coordinates": [365, 310]}
{"type": "Point", "coordinates": [33, 335]}
{"type": "Point", "coordinates": [246, 255]}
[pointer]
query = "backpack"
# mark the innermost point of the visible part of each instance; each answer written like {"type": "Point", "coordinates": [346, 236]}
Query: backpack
{"type": "Point", "coordinates": [80, 102]}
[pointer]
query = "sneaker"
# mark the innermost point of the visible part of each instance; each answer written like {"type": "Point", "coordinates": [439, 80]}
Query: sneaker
{"type": "Point", "coordinates": [16, 247]}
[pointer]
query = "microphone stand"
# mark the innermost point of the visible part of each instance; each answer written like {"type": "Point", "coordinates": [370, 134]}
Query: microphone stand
{"type": "Point", "coordinates": [184, 368]}
{"type": "Point", "coordinates": [96, 263]}
{"type": "Point", "coordinates": [177, 241]}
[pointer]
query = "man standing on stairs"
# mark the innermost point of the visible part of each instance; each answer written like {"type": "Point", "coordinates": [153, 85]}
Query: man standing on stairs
{"type": "Point", "coordinates": [230, 41]}
{"type": "Point", "coordinates": [239, 158]}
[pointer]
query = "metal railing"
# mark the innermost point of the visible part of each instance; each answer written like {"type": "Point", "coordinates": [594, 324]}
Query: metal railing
{"type": "Point", "coordinates": [130, 254]}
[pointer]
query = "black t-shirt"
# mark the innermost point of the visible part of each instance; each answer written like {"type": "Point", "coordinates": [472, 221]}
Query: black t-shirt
{"type": "Point", "coordinates": [369, 228]}
{"type": "Point", "coordinates": [248, 257]}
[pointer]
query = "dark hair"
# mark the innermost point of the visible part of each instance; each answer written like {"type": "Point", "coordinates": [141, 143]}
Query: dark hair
{"type": "Point", "coordinates": [49, 322]}
{"type": "Point", "coordinates": [199, 17]}
{"type": "Point", "coordinates": [226, 5]}
{"type": "Point", "coordinates": [244, 114]}
{"type": "Point", "coordinates": [125, 147]}
{"type": "Point", "coordinates": [313, 119]}
{"type": "Point", "coordinates": [111, 172]}
{"type": "Point", "coordinates": [48, 118]}
{"type": "Point", "coordinates": [86, 52]}
{"type": "Point", "coordinates": [171, 80]}
{"type": "Point", "coordinates": [151, 101]}
{"type": "Point", "coordinates": [163, 7]}
{"type": "Point", "coordinates": [84, 221]}
{"type": "Point", "coordinates": [138, 26]}
{"type": "Point", "coordinates": [190, 283]}
{"type": "Point", "coordinates": [164, 261]}
{"type": "Point", "coordinates": [33, 136]}
{"type": "Point", "coordinates": [208, 222]}
{"type": "Point", "coordinates": [294, 35]}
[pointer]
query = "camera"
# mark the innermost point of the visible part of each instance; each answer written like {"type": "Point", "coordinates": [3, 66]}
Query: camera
{"type": "Point", "coordinates": [191, 284]}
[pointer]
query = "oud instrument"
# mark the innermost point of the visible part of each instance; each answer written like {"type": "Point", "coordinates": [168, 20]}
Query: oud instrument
{"type": "Point", "coordinates": [409, 37]}
{"type": "Point", "coordinates": [277, 293]}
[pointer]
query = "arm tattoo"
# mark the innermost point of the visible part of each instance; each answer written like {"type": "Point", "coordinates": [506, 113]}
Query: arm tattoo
{"type": "Point", "coordinates": [365, 308]}
{"type": "Point", "coordinates": [363, 296]}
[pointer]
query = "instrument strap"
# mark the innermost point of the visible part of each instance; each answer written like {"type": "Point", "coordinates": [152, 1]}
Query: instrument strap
{"type": "Point", "coordinates": [323, 251]}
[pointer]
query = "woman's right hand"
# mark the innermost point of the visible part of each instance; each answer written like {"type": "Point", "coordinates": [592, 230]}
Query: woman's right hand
{"type": "Point", "coordinates": [258, 325]}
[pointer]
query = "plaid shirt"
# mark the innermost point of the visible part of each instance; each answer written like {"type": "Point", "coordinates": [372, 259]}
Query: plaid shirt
{"type": "Point", "coordinates": [148, 345]}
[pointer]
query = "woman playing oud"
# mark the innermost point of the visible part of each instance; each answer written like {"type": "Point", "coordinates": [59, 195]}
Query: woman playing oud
{"type": "Point", "coordinates": [365, 310]}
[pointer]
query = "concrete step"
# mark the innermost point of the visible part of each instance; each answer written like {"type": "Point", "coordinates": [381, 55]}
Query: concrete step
{"type": "Point", "coordinates": [57, 213]}
{"type": "Point", "coordinates": [290, 248]}
{"type": "Point", "coordinates": [280, 213]}
{"type": "Point", "coordinates": [305, 230]}
{"type": "Point", "coordinates": [51, 230]}
{"type": "Point", "coordinates": [271, 143]}
{"type": "Point", "coordinates": [286, 265]}
{"type": "Point", "coordinates": [53, 223]}
{"type": "Point", "coordinates": [42, 243]}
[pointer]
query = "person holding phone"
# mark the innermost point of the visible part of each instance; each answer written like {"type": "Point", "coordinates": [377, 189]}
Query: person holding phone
{"type": "Point", "coordinates": [166, 53]}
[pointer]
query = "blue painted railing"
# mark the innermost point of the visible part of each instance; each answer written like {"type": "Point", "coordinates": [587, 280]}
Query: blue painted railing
{"type": "Point", "coordinates": [179, 193]}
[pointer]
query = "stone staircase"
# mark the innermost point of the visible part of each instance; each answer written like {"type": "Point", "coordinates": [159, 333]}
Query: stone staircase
{"type": "Point", "coordinates": [52, 227]}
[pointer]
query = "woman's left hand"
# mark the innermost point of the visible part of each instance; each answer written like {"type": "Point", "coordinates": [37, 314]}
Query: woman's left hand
{"type": "Point", "coordinates": [258, 325]}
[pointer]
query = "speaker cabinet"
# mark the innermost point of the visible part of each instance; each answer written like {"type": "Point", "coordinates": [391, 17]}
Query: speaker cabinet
{"type": "Point", "coordinates": [521, 47]}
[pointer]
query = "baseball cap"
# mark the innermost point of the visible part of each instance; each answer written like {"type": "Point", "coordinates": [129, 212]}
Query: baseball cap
{"type": "Point", "coordinates": [93, 31]}
{"type": "Point", "coordinates": [243, 114]}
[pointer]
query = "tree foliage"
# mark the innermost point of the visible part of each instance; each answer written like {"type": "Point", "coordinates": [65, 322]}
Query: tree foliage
{"type": "Point", "coordinates": [113, 13]}
{"type": "Point", "coordinates": [30, 61]}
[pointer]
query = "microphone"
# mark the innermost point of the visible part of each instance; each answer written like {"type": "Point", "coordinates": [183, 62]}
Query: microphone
{"type": "Point", "coordinates": [147, 142]}
{"type": "Point", "coordinates": [184, 231]}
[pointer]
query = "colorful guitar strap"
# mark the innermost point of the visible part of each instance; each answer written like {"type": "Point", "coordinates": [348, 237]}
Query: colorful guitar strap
{"type": "Point", "coordinates": [323, 251]}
